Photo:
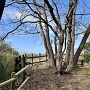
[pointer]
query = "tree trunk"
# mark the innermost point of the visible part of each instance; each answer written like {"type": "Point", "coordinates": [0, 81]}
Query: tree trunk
{"type": "Point", "coordinates": [52, 61]}
{"type": "Point", "coordinates": [44, 38]}
{"type": "Point", "coordinates": [70, 45]}
{"type": "Point", "coordinates": [69, 41]}
{"type": "Point", "coordinates": [77, 54]}
{"type": "Point", "coordinates": [55, 45]}
{"type": "Point", "coordinates": [2, 3]}
{"type": "Point", "coordinates": [59, 52]}
{"type": "Point", "coordinates": [71, 61]}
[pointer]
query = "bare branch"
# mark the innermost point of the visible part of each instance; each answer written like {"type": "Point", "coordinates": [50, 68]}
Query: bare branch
{"type": "Point", "coordinates": [82, 14]}
{"type": "Point", "coordinates": [80, 33]}
{"type": "Point", "coordinates": [27, 32]}
{"type": "Point", "coordinates": [52, 14]}
{"type": "Point", "coordinates": [10, 32]}
{"type": "Point", "coordinates": [42, 18]}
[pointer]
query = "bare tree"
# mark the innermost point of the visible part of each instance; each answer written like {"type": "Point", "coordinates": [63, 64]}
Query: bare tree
{"type": "Point", "coordinates": [77, 54]}
{"type": "Point", "coordinates": [71, 34]}
{"type": "Point", "coordinates": [41, 15]}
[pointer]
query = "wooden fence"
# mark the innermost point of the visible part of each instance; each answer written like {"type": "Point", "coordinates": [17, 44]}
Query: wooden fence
{"type": "Point", "coordinates": [32, 57]}
{"type": "Point", "coordinates": [23, 66]}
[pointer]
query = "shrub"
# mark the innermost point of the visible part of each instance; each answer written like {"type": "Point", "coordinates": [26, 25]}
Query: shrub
{"type": "Point", "coordinates": [6, 67]}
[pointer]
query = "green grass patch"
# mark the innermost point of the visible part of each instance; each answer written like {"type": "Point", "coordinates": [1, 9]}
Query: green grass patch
{"type": "Point", "coordinates": [87, 73]}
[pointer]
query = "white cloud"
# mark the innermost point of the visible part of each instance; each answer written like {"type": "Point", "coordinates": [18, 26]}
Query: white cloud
{"type": "Point", "coordinates": [17, 14]}
{"type": "Point", "coordinates": [9, 40]}
{"type": "Point", "coordinates": [14, 14]}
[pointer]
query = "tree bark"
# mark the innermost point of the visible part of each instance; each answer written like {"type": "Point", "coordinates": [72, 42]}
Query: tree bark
{"type": "Point", "coordinates": [70, 45]}
{"type": "Point", "coordinates": [44, 38]}
{"type": "Point", "coordinates": [52, 61]}
{"type": "Point", "coordinates": [55, 45]}
{"type": "Point", "coordinates": [70, 66]}
{"type": "Point", "coordinates": [69, 41]}
{"type": "Point", "coordinates": [77, 54]}
{"type": "Point", "coordinates": [2, 4]}
{"type": "Point", "coordinates": [59, 52]}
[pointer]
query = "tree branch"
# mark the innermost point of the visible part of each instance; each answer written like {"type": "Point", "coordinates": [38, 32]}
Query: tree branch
{"type": "Point", "coordinates": [10, 32]}
{"type": "Point", "coordinates": [52, 14]}
{"type": "Point", "coordinates": [41, 18]}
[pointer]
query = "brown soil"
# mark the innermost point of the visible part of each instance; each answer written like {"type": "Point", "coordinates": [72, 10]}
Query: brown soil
{"type": "Point", "coordinates": [43, 78]}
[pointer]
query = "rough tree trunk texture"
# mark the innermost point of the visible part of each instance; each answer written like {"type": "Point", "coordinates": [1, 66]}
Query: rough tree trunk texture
{"type": "Point", "coordinates": [71, 61]}
{"type": "Point", "coordinates": [69, 41]}
{"type": "Point", "coordinates": [72, 6]}
{"type": "Point", "coordinates": [44, 38]}
{"type": "Point", "coordinates": [77, 54]}
{"type": "Point", "coordinates": [59, 52]}
{"type": "Point", "coordinates": [55, 45]}
{"type": "Point", "coordinates": [2, 4]}
{"type": "Point", "coordinates": [51, 54]}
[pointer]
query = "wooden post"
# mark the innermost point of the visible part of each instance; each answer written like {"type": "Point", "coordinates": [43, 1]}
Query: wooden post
{"type": "Point", "coordinates": [82, 63]}
{"type": "Point", "coordinates": [32, 58]}
{"type": "Point", "coordinates": [25, 59]}
{"type": "Point", "coordinates": [23, 65]}
{"type": "Point", "coordinates": [39, 57]}
{"type": "Point", "coordinates": [13, 82]}
{"type": "Point", "coordinates": [19, 63]}
{"type": "Point", "coordinates": [16, 64]}
{"type": "Point", "coordinates": [46, 56]}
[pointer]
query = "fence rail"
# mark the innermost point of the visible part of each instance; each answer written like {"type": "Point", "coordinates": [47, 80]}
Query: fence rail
{"type": "Point", "coordinates": [22, 70]}
{"type": "Point", "coordinates": [36, 56]}
{"type": "Point", "coordinates": [7, 82]}
{"type": "Point", "coordinates": [23, 83]}
{"type": "Point", "coordinates": [14, 77]}
{"type": "Point", "coordinates": [16, 73]}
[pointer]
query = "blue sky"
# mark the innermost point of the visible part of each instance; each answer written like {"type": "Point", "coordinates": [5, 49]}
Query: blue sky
{"type": "Point", "coordinates": [34, 43]}
{"type": "Point", "coordinates": [26, 43]}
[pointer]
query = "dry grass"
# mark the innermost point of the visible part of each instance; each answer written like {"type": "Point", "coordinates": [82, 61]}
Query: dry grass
{"type": "Point", "coordinates": [82, 77]}
{"type": "Point", "coordinates": [43, 77]}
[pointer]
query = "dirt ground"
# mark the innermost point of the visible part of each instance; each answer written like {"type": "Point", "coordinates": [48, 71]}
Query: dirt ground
{"type": "Point", "coordinates": [43, 78]}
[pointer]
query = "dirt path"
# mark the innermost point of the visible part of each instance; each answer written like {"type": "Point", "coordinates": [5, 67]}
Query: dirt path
{"type": "Point", "coordinates": [44, 79]}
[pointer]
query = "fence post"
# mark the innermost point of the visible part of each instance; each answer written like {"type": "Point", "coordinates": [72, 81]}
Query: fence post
{"type": "Point", "coordinates": [19, 63]}
{"type": "Point", "coordinates": [46, 56]}
{"type": "Point", "coordinates": [32, 58]}
{"type": "Point", "coordinates": [15, 65]}
{"type": "Point", "coordinates": [23, 65]}
{"type": "Point", "coordinates": [13, 83]}
{"type": "Point", "coordinates": [82, 63]}
{"type": "Point", "coordinates": [39, 57]}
